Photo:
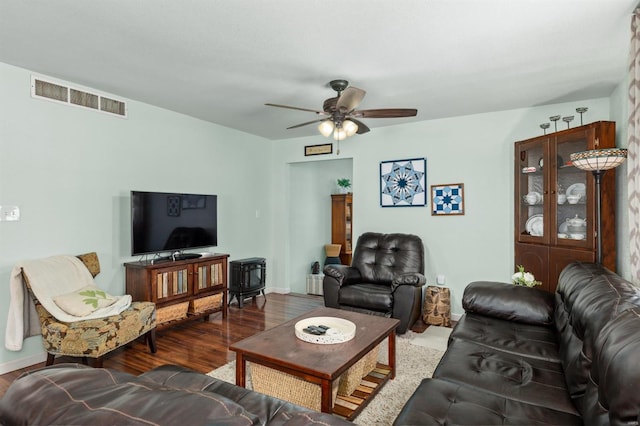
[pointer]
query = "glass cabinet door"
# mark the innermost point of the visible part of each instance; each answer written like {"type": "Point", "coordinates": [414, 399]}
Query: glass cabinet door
{"type": "Point", "coordinates": [348, 225]}
{"type": "Point", "coordinates": [571, 186]}
{"type": "Point", "coordinates": [531, 191]}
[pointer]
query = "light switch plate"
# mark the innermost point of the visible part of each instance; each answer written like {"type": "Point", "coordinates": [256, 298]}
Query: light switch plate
{"type": "Point", "coordinates": [9, 213]}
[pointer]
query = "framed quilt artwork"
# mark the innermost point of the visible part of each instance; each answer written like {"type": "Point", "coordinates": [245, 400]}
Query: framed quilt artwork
{"type": "Point", "coordinates": [447, 199]}
{"type": "Point", "coordinates": [403, 183]}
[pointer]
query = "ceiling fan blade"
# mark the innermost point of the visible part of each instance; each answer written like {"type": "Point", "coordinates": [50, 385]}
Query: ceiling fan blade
{"type": "Point", "coordinates": [297, 108]}
{"type": "Point", "coordinates": [386, 113]}
{"type": "Point", "coordinates": [305, 124]}
{"type": "Point", "coordinates": [349, 99]}
{"type": "Point", "coordinates": [362, 128]}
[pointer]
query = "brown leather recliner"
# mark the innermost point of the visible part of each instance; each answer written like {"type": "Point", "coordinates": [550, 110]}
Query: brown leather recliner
{"type": "Point", "coordinates": [385, 278]}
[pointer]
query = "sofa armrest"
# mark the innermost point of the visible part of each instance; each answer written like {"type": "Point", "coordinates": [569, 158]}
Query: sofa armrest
{"type": "Point", "coordinates": [509, 302]}
{"type": "Point", "coordinates": [413, 279]}
{"type": "Point", "coordinates": [343, 274]}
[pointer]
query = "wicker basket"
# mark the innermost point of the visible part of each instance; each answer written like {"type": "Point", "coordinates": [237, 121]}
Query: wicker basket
{"type": "Point", "coordinates": [332, 250]}
{"type": "Point", "coordinates": [205, 303]}
{"type": "Point", "coordinates": [287, 387]}
{"type": "Point", "coordinates": [350, 380]}
{"type": "Point", "coordinates": [370, 361]}
{"type": "Point", "coordinates": [172, 312]}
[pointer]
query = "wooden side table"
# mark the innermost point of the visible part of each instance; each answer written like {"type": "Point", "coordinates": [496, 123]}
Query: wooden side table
{"type": "Point", "coordinates": [437, 306]}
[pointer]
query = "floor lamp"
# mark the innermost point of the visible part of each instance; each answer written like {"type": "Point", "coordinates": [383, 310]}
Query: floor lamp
{"type": "Point", "coordinates": [598, 161]}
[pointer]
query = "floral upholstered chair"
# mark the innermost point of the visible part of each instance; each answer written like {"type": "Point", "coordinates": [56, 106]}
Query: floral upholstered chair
{"type": "Point", "coordinates": [93, 338]}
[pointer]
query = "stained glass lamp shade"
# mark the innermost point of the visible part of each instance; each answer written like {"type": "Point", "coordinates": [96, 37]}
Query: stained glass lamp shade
{"type": "Point", "coordinates": [598, 161]}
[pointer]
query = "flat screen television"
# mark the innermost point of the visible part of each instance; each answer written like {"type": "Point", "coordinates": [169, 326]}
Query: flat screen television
{"type": "Point", "coordinates": [165, 221]}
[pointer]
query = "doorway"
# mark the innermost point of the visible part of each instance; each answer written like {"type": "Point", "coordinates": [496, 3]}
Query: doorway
{"type": "Point", "coordinates": [311, 186]}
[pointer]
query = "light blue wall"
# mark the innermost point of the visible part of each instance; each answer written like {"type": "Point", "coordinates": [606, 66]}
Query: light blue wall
{"type": "Point", "coordinates": [619, 113]}
{"type": "Point", "coordinates": [475, 150]}
{"type": "Point", "coordinates": [70, 171]}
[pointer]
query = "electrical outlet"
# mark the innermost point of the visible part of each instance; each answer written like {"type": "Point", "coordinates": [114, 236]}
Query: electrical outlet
{"type": "Point", "coordinates": [440, 279]}
{"type": "Point", "coordinates": [9, 213]}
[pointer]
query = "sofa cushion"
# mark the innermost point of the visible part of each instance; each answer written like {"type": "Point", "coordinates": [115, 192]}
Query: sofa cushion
{"type": "Point", "coordinates": [588, 297]}
{"type": "Point", "coordinates": [612, 395]}
{"type": "Point", "coordinates": [367, 296]}
{"type": "Point", "coordinates": [70, 394]}
{"type": "Point", "coordinates": [439, 402]}
{"type": "Point", "coordinates": [519, 378]}
{"type": "Point", "coordinates": [263, 406]}
{"type": "Point", "coordinates": [381, 257]}
{"type": "Point", "coordinates": [509, 302]}
{"type": "Point", "coordinates": [84, 301]}
{"type": "Point", "coordinates": [517, 338]}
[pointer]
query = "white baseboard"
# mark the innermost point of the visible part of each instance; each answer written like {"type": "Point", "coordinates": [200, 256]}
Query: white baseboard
{"type": "Point", "coordinates": [7, 367]}
{"type": "Point", "coordinates": [279, 290]}
{"type": "Point", "coordinates": [456, 317]}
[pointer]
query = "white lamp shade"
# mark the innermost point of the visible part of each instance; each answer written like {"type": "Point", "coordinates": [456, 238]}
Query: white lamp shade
{"type": "Point", "coordinates": [349, 127]}
{"type": "Point", "coordinates": [325, 128]}
{"type": "Point", "coordinates": [599, 159]}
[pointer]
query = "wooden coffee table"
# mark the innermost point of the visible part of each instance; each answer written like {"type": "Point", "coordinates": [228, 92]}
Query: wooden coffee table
{"type": "Point", "coordinates": [278, 348]}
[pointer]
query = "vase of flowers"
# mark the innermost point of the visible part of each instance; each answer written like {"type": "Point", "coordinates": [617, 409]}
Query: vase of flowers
{"type": "Point", "coordinates": [523, 278]}
{"type": "Point", "coordinates": [344, 185]}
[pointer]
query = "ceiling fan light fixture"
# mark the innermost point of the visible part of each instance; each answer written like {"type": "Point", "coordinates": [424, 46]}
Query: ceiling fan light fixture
{"type": "Point", "coordinates": [340, 114]}
{"type": "Point", "coordinates": [325, 128]}
{"type": "Point", "coordinates": [349, 127]}
{"type": "Point", "coordinates": [339, 134]}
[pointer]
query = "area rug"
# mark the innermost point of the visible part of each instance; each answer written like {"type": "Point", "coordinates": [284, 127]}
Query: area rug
{"type": "Point", "coordinates": [413, 363]}
{"type": "Point", "coordinates": [434, 337]}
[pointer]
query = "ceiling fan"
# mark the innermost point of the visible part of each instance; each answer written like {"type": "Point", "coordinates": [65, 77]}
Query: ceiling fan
{"type": "Point", "coordinates": [340, 116]}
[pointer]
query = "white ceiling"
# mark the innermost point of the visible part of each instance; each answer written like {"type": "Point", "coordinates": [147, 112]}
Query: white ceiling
{"type": "Point", "coordinates": [222, 60]}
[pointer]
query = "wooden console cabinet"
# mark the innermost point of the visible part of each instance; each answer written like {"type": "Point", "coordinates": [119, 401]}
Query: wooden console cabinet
{"type": "Point", "coordinates": [182, 290]}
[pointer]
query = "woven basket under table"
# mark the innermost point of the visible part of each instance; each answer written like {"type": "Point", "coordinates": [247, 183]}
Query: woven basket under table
{"type": "Point", "coordinates": [172, 312]}
{"type": "Point", "coordinates": [205, 303]}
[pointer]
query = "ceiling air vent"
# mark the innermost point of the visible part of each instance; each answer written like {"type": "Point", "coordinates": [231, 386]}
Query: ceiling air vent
{"type": "Point", "coordinates": [57, 92]}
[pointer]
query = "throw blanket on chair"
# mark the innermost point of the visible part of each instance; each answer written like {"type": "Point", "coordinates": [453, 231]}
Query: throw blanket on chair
{"type": "Point", "coordinates": [49, 278]}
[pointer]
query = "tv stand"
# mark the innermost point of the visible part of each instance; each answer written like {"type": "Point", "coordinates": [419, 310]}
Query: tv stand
{"type": "Point", "coordinates": [182, 289]}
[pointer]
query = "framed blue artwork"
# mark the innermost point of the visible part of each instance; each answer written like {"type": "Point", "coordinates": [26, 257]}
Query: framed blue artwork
{"type": "Point", "coordinates": [403, 183]}
{"type": "Point", "coordinates": [447, 199]}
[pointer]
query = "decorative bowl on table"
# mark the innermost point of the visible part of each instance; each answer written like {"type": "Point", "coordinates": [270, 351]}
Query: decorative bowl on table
{"type": "Point", "coordinates": [338, 330]}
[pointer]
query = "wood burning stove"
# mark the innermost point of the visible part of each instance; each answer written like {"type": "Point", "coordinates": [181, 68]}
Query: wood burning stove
{"type": "Point", "coordinates": [248, 278]}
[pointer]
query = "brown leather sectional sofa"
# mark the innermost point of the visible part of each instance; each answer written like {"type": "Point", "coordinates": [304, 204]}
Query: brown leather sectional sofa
{"type": "Point", "coordinates": [522, 356]}
{"type": "Point", "coordinates": [517, 356]}
{"type": "Point", "coordinates": [73, 394]}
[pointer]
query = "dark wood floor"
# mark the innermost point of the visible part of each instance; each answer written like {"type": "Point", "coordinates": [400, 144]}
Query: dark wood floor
{"type": "Point", "coordinates": [203, 345]}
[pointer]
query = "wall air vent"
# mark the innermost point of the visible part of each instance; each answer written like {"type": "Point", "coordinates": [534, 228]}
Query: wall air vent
{"type": "Point", "coordinates": [43, 89]}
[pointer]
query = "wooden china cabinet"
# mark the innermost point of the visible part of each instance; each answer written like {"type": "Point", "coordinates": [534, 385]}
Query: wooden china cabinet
{"type": "Point", "coordinates": [555, 203]}
{"type": "Point", "coordinates": [342, 225]}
